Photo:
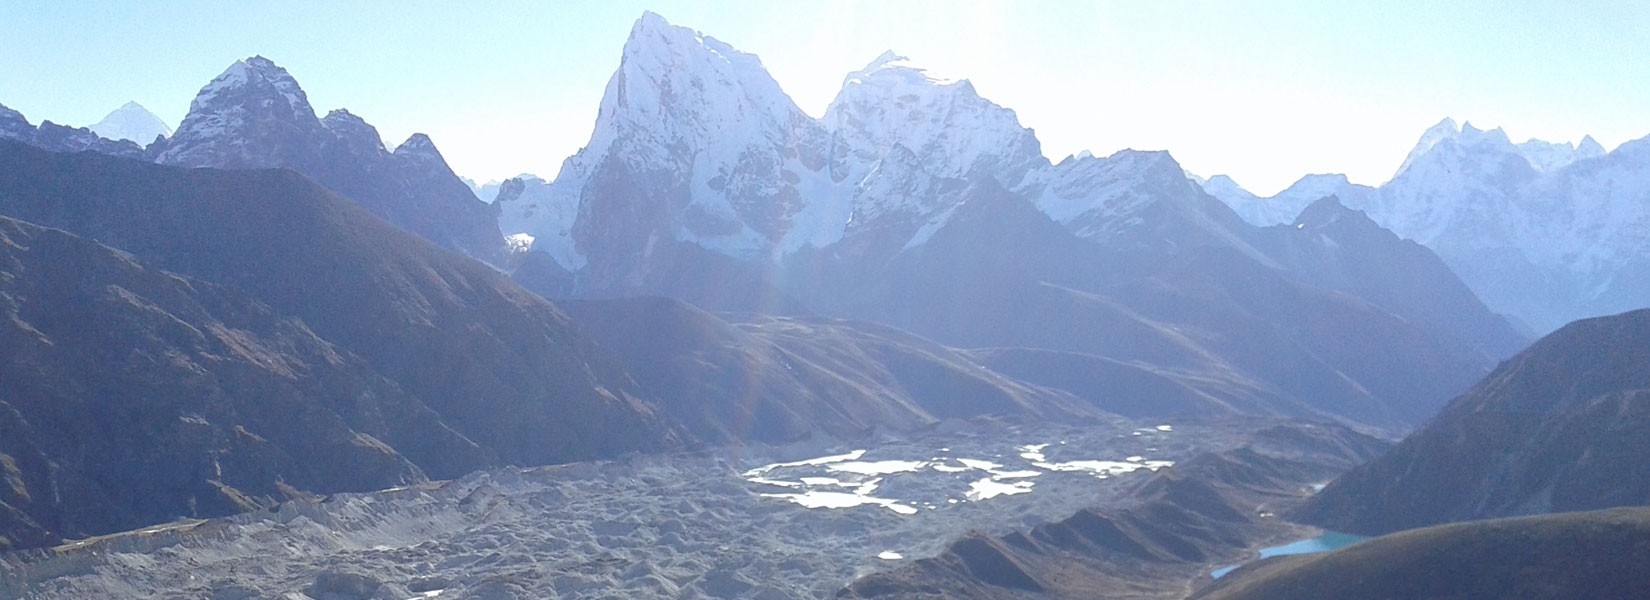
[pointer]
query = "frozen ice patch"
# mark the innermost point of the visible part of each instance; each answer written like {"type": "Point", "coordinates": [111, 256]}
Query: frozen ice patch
{"type": "Point", "coordinates": [988, 488]}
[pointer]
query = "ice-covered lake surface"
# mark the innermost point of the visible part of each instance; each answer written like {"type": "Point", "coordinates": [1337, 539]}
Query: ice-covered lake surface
{"type": "Point", "coordinates": [945, 479]}
{"type": "Point", "coordinates": [797, 521]}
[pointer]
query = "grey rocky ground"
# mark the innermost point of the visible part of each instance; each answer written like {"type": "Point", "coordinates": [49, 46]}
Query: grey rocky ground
{"type": "Point", "coordinates": [707, 525]}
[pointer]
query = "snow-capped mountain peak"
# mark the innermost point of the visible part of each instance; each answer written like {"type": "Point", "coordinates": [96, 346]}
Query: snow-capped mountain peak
{"type": "Point", "coordinates": [667, 71]}
{"type": "Point", "coordinates": [256, 73]}
{"type": "Point", "coordinates": [953, 131]}
{"type": "Point", "coordinates": [725, 153]}
{"type": "Point", "coordinates": [132, 122]}
{"type": "Point", "coordinates": [254, 99]}
{"type": "Point", "coordinates": [1445, 129]}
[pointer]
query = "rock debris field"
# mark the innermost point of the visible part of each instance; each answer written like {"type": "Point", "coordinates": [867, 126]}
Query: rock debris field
{"type": "Point", "coordinates": [793, 522]}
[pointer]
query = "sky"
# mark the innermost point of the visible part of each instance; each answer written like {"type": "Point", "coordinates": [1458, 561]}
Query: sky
{"type": "Point", "coordinates": [1263, 91]}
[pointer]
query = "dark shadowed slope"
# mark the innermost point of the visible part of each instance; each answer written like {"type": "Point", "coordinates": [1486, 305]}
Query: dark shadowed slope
{"type": "Point", "coordinates": [131, 396]}
{"type": "Point", "coordinates": [1338, 248]}
{"type": "Point", "coordinates": [500, 365]}
{"type": "Point", "coordinates": [1563, 426]}
{"type": "Point", "coordinates": [780, 379]}
{"type": "Point", "coordinates": [1593, 555]}
{"type": "Point", "coordinates": [999, 273]}
{"type": "Point", "coordinates": [1132, 390]}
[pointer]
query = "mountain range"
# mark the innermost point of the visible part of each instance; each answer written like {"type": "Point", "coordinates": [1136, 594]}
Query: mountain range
{"type": "Point", "coordinates": [255, 115]}
{"type": "Point", "coordinates": [915, 202]}
{"type": "Point", "coordinates": [1546, 232]}
{"type": "Point", "coordinates": [287, 307]}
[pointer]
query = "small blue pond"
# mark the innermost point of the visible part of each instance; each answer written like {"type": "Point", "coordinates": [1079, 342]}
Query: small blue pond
{"type": "Point", "coordinates": [1330, 540]}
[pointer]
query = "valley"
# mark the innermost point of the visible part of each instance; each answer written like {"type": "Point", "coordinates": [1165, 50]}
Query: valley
{"type": "Point", "coordinates": [731, 523]}
{"type": "Point", "coordinates": [885, 347]}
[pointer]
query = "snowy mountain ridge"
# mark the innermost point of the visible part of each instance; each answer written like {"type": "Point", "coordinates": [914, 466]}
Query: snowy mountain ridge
{"type": "Point", "coordinates": [712, 152]}
{"type": "Point", "coordinates": [1549, 232]}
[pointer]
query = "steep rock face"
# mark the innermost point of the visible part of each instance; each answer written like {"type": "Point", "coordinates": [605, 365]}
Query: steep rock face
{"type": "Point", "coordinates": [951, 130]}
{"type": "Point", "coordinates": [694, 142]}
{"type": "Point", "coordinates": [1560, 427]}
{"type": "Point", "coordinates": [499, 364]}
{"type": "Point", "coordinates": [132, 396]}
{"type": "Point", "coordinates": [907, 142]}
{"type": "Point", "coordinates": [60, 138]}
{"type": "Point", "coordinates": [255, 116]}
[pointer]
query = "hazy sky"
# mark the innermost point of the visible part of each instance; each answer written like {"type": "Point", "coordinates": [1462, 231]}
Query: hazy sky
{"type": "Point", "coordinates": [1263, 91]}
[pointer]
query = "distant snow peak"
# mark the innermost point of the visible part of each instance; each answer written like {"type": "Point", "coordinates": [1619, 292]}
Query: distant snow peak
{"type": "Point", "coordinates": [1542, 156]}
{"type": "Point", "coordinates": [132, 122]}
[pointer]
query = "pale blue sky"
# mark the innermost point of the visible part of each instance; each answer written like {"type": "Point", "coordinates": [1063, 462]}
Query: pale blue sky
{"type": "Point", "coordinates": [1263, 91]}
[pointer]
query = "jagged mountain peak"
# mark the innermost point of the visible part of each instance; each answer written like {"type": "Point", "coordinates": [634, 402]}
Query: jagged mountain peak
{"type": "Point", "coordinates": [1474, 135]}
{"type": "Point", "coordinates": [256, 73]}
{"type": "Point", "coordinates": [1443, 130]}
{"type": "Point", "coordinates": [692, 85]}
{"type": "Point", "coordinates": [354, 131]}
{"type": "Point", "coordinates": [245, 118]}
{"type": "Point", "coordinates": [13, 124]}
{"type": "Point", "coordinates": [419, 147]}
{"type": "Point", "coordinates": [1589, 148]}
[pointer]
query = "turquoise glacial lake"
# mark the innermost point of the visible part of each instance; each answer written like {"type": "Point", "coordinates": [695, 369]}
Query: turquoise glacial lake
{"type": "Point", "coordinates": [1330, 540]}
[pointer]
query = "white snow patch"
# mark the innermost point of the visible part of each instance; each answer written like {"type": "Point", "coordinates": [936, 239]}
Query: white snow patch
{"type": "Point", "coordinates": [988, 488]}
{"type": "Point", "coordinates": [883, 467]}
